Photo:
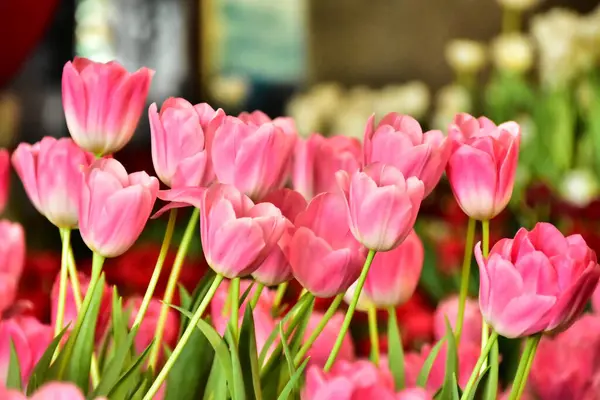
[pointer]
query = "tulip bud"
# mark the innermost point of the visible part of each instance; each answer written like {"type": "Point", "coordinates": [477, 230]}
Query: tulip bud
{"type": "Point", "coordinates": [519, 5]}
{"type": "Point", "coordinates": [465, 56]}
{"type": "Point", "coordinates": [147, 328]}
{"type": "Point", "coordinates": [321, 348]}
{"type": "Point", "coordinates": [448, 309]}
{"type": "Point", "coordinates": [513, 53]}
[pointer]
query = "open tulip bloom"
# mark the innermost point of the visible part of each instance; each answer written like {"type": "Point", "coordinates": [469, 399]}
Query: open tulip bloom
{"type": "Point", "coordinates": [272, 212]}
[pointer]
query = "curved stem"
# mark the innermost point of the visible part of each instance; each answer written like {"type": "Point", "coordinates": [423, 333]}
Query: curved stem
{"type": "Point", "coordinates": [373, 334]}
{"type": "Point", "coordinates": [465, 277]}
{"type": "Point", "coordinates": [346, 324]}
{"type": "Point", "coordinates": [258, 291]}
{"type": "Point", "coordinates": [234, 291]}
{"type": "Point", "coordinates": [281, 289]}
{"type": "Point", "coordinates": [485, 228]}
{"type": "Point", "coordinates": [482, 357]}
{"type": "Point", "coordinates": [184, 339]}
{"type": "Point", "coordinates": [525, 363]}
{"type": "Point", "coordinates": [171, 286]}
{"type": "Point", "coordinates": [62, 289]}
{"type": "Point", "coordinates": [164, 249]}
{"type": "Point", "coordinates": [315, 334]}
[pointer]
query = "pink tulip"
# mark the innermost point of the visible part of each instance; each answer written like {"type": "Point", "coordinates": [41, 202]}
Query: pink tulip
{"type": "Point", "coordinates": [382, 206]}
{"type": "Point", "coordinates": [276, 268]}
{"type": "Point", "coordinates": [325, 257]}
{"type": "Point", "coordinates": [51, 174]}
{"type": "Point", "coordinates": [321, 348]}
{"type": "Point", "coordinates": [539, 281]}
{"type": "Point", "coordinates": [483, 163]}
{"type": "Point", "coordinates": [147, 329]}
{"type": "Point", "coordinates": [4, 178]}
{"type": "Point", "coordinates": [12, 261]}
{"type": "Point", "coordinates": [394, 275]}
{"type": "Point", "coordinates": [30, 339]}
{"type": "Point", "coordinates": [103, 103]}
{"type": "Point", "coordinates": [596, 300]}
{"type": "Point", "coordinates": [237, 235]}
{"type": "Point", "coordinates": [179, 143]}
{"type": "Point", "coordinates": [114, 206]}
{"type": "Point", "coordinates": [348, 381]}
{"type": "Point", "coordinates": [255, 159]}
{"type": "Point", "coordinates": [566, 367]}
{"type": "Point", "coordinates": [317, 159]}
{"type": "Point", "coordinates": [448, 309]}
{"type": "Point", "coordinates": [49, 391]}
{"type": "Point", "coordinates": [415, 393]}
{"type": "Point", "coordinates": [258, 118]}
{"type": "Point", "coordinates": [398, 140]}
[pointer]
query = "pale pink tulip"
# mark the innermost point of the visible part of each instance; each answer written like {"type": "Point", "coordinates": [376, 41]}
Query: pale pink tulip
{"type": "Point", "coordinates": [566, 367]}
{"type": "Point", "coordinates": [483, 163]}
{"type": "Point", "coordinates": [255, 159]}
{"type": "Point", "coordinates": [50, 171]}
{"type": "Point", "coordinates": [325, 257]}
{"type": "Point", "coordinates": [237, 235]}
{"type": "Point", "coordinates": [382, 206]}
{"type": "Point", "coordinates": [398, 140]}
{"type": "Point", "coordinates": [179, 143]}
{"type": "Point", "coordinates": [30, 339]}
{"type": "Point", "coordinates": [321, 348]}
{"type": "Point", "coordinates": [394, 275]}
{"type": "Point", "coordinates": [258, 118]}
{"type": "Point", "coordinates": [114, 206]}
{"type": "Point", "coordinates": [103, 103]}
{"type": "Point", "coordinates": [448, 309]}
{"type": "Point", "coordinates": [317, 159]}
{"type": "Point", "coordinates": [12, 261]}
{"type": "Point", "coordinates": [276, 268]}
{"type": "Point", "coordinates": [147, 329]}
{"type": "Point", "coordinates": [415, 393]}
{"type": "Point", "coordinates": [49, 391]}
{"type": "Point", "coordinates": [539, 281]}
{"type": "Point", "coordinates": [4, 178]}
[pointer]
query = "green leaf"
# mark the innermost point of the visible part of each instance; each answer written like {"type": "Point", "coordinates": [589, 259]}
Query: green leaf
{"type": "Point", "coordinates": [428, 364]}
{"type": "Point", "coordinates": [13, 378]}
{"type": "Point", "coordinates": [395, 350]}
{"type": "Point", "coordinates": [246, 292]}
{"type": "Point", "coordinates": [451, 364]}
{"type": "Point", "coordinates": [129, 380]}
{"type": "Point", "coordinates": [249, 356]}
{"type": "Point", "coordinates": [491, 386]}
{"type": "Point", "coordinates": [198, 295]}
{"type": "Point", "coordinates": [455, 394]}
{"type": "Point", "coordinates": [286, 351]}
{"type": "Point", "coordinates": [293, 382]}
{"type": "Point", "coordinates": [145, 381]}
{"type": "Point", "coordinates": [41, 369]}
{"type": "Point", "coordinates": [238, 390]}
{"type": "Point", "coordinates": [216, 387]}
{"type": "Point", "coordinates": [471, 395]}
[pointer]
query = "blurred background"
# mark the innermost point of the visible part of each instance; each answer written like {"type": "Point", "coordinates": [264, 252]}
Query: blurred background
{"type": "Point", "coordinates": [330, 64]}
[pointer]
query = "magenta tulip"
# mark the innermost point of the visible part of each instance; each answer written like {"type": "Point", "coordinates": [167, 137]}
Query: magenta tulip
{"type": "Point", "coordinates": [394, 275]}
{"type": "Point", "coordinates": [539, 281]}
{"type": "Point", "coordinates": [103, 103]}
{"type": "Point", "coordinates": [398, 140]}
{"type": "Point", "coordinates": [382, 206]}
{"type": "Point", "coordinates": [255, 159]}
{"type": "Point", "coordinates": [325, 257]}
{"type": "Point", "coordinates": [448, 309]}
{"type": "Point", "coordinates": [51, 174]}
{"type": "Point", "coordinates": [483, 163]}
{"type": "Point", "coordinates": [114, 206]}
{"type": "Point", "coordinates": [317, 159]}
{"type": "Point", "coordinates": [237, 235]}
{"type": "Point", "coordinates": [4, 178]}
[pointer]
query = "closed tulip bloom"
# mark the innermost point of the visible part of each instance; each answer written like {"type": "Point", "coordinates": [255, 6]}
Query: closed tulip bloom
{"type": "Point", "coordinates": [317, 159]}
{"type": "Point", "coordinates": [237, 235]}
{"type": "Point", "coordinates": [394, 275]}
{"type": "Point", "coordinates": [483, 163]}
{"type": "Point", "coordinates": [321, 348]}
{"type": "Point", "coordinates": [147, 328]}
{"type": "Point", "coordinates": [398, 140]}
{"type": "Point", "coordinates": [103, 103]}
{"type": "Point", "coordinates": [255, 159]}
{"type": "Point", "coordinates": [382, 206]}
{"type": "Point", "coordinates": [12, 261]}
{"type": "Point", "coordinates": [4, 178]}
{"type": "Point", "coordinates": [540, 281]}
{"type": "Point", "coordinates": [114, 206]}
{"type": "Point", "coordinates": [276, 268]}
{"type": "Point", "coordinates": [448, 309]}
{"type": "Point", "coordinates": [50, 171]}
{"type": "Point", "coordinates": [325, 257]}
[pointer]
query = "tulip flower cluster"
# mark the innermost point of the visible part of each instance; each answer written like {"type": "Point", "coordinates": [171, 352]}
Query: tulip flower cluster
{"type": "Point", "coordinates": [332, 214]}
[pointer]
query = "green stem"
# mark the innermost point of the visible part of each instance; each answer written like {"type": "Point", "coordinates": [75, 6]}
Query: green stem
{"type": "Point", "coordinates": [482, 357]}
{"type": "Point", "coordinates": [465, 277]}
{"type": "Point", "coordinates": [62, 288]}
{"type": "Point", "coordinates": [525, 363]}
{"type": "Point", "coordinates": [234, 290]}
{"type": "Point", "coordinates": [97, 263]}
{"type": "Point", "coordinates": [184, 339]}
{"type": "Point", "coordinates": [171, 286]}
{"type": "Point", "coordinates": [258, 291]}
{"type": "Point", "coordinates": [281, 289]}
{"type": "Point", "coordinates": [373, 334]}
{"type": "Point", "coordinates": [157, 268]}
{"type": "Point", "coordinates": [511, 21]}
{"type": "Point", "coordinates": [346, 324]}
{"type": "Point", "coordinates": [485, 227]}
{"type": "Point", "coordinates": [315, 333]}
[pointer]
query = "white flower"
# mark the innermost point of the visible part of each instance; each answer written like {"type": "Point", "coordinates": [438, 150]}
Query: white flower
{"type": "Point", "coordinates": [579, 187]}
{"type": "Point", "coordinates": [450, 100]}
{"type": "Point", "coordinates": [465, 56]}
{"type": "Point", "coordinates": [229, 90]}
{"type": "Point", "coordinates": [513, 53]}
{"type": "Point", "coordinates": [519, 5]}
{"type": "Point", "coordinates": [411, 98]}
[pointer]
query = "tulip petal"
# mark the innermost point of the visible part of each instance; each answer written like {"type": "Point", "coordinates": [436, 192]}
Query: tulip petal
{"type": "Point", "coordinates": [234, 248]}
{"type": "Point", "coordinates": [524, 315]}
